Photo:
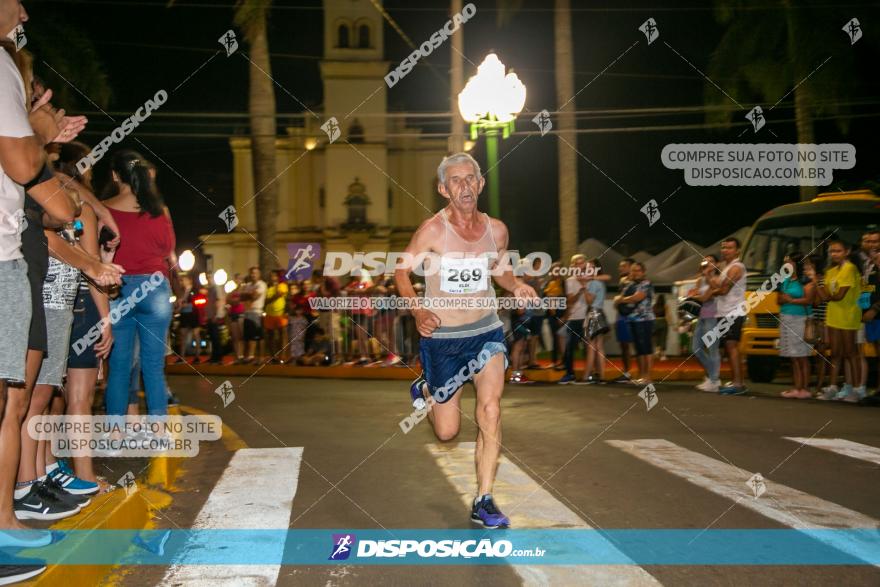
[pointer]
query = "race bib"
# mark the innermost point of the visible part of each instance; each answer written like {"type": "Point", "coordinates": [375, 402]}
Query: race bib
{"type": "Point", "coordinates": [464, 276]}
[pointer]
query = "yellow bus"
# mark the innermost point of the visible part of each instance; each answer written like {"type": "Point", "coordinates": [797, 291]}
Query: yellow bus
{"type": "Point", "coordinates": [804, 227]}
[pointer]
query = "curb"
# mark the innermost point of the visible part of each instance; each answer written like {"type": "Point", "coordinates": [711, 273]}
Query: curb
{"type": "Point", "coordinates": [118, 511]}
{"type": "Point", "coordinates": [683, 373]}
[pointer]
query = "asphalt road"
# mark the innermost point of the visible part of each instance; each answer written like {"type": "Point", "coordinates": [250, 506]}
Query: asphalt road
{"type": "Point", "coordinates": [578, 444]}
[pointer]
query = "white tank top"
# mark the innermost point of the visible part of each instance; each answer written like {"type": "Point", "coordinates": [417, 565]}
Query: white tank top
{"type": "Point", "coordinates": [728, 303]}
{"type": "Point", "coordinates": [461, 270]}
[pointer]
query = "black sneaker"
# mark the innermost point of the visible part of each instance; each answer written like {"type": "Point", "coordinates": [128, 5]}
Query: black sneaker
{"type": "Point", "coordinates": [58, 492]}
{"type": "Point", "coordinates": [40, 504]}
{"type": "Point", "coordinates": [15, 573]}
{"type": "Point", "coordinates": [173, 400]}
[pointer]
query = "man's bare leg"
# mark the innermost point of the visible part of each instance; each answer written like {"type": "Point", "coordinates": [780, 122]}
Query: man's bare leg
{"type": "Point", "coordinates": [490, 385]}
{"type": "Point", "coordinates": [446, 418]}
{"type": "Point", "coordinates": [732, 347]}
{"type": "Point", "coordinates": [17, 401]}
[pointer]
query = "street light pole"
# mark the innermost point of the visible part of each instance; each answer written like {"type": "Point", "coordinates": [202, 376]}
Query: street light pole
{"type": "Point", "coordinates": [491, 101]}
{"type": "Point", "coordinates": [494, 179]}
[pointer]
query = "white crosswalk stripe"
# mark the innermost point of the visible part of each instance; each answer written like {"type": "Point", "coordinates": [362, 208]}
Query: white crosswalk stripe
{"type": "Point", "coordinates": [781, 503]}
{"type": "Point", "coordinates": [844, 447]}
{"type": "Point", "coordinates": [534, 507]}
{"type": "Point", "coordinates": [255, 492]}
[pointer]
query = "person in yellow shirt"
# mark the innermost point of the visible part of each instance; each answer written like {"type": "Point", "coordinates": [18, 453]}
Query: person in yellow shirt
{"type": "Point", "coordinates": [275, 320]}
{"type": "Point", "coordinates": [843, 285]}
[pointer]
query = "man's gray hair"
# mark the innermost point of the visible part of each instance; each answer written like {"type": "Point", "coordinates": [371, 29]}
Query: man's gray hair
{"type": "Point", "coordinates": [454, 160]}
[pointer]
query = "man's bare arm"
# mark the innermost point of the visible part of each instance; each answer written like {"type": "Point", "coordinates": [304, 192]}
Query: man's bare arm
{"type": "Point", "coordinates": [725, 284]}
{"type": "Point", "coordinates": [21, 158]}
{"type": "Point", "coordinates": [507, 279]}
{"type": "Point", "coordinates": [426, 321]}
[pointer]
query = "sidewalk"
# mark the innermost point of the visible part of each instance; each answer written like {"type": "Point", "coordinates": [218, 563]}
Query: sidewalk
{"type": "Point", "coordinates": [672, 369]}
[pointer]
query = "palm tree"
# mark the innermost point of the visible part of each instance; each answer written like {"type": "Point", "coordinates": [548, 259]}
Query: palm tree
{"type": "Point", "coordinates": [64, 52]}
{"type": "Point", "coordinates": [567, 125]}
{"type": "Point", "coordinates": [251, 17]}
{"type": "Point", "coordinates": [764, 53]}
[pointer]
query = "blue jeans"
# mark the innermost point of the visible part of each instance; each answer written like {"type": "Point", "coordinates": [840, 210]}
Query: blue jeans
{"type": "Point", "coordinates": [710, 358]}
{"type": "Point", "coordinates": [143, 311]}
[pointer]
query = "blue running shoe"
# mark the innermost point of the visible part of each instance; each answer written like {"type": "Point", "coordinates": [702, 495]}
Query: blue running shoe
{"type": "Point", "coordinates": [71, 483]}
{"type": "Point", "coordinates": [416, 393]}
{"type": "Point", "coordinates": [485, 512]}
{"type": "Point", "coordinates": [732, 390]}
{"type": "Point", "coordinates": [566, 380]}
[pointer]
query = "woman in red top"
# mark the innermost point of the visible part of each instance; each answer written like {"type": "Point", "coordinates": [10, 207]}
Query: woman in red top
{"type": "Point", "coordinates": [143, 309]}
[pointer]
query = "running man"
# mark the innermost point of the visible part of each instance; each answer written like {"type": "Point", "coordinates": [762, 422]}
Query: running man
{"type": "Point", "coordinates": [460, 247]}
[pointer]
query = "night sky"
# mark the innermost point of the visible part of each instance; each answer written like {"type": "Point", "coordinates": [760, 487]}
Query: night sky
{"type": "Point", "coordinates": [145, 46]}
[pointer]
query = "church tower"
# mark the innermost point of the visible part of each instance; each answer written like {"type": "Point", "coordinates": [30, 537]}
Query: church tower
{"type": "Point", "coordinates": [366, 191]}
{"type": "Point", "coordinates": [353, 71]}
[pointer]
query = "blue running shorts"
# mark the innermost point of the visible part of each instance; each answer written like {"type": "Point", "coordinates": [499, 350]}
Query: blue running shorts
{"type": "Point", "coordinates": [452, 356]}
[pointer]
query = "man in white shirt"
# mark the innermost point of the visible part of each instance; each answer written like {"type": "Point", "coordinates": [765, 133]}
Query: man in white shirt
{"type": "Point", "coordinates": [729, 289]}
{"type": "Point", "coordinates": [575, 288]}
{"type": "Point", "coordinates": [255, 292]}
{"type": "Point", "coordinates": [22, 166]}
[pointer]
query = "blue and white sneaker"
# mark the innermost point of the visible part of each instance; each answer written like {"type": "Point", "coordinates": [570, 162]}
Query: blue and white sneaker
{"type": "Point", "coordinates": [416, 393]}
{"type": "Point", "coordinates": [844, 392]}
{"type": "Point", "coordinates": [70, 482]}
{"type": "Point", "coordinates": [566, 380]}
{"type": "Point", "coordinates": [732, 390]}
{"type": "Point", "coordinates": [485, 512]}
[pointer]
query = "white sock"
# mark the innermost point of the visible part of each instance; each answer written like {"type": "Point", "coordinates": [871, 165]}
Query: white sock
{"type": "Point", "coordinates": [22, 491]}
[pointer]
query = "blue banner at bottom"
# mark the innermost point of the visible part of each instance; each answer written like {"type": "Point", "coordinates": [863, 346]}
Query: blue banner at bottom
{"type": "Point", "coordinates": [445, 547]}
